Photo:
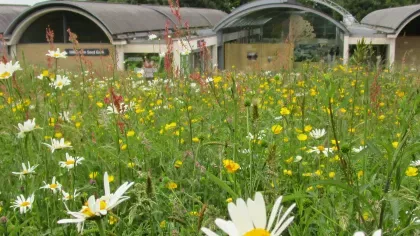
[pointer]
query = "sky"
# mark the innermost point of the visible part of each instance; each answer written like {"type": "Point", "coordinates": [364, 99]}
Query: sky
{"type": "Point", "coordinates": [21, 2]}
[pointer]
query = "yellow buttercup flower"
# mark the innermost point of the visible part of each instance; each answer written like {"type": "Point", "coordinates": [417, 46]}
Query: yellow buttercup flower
{"type": "Point", "coordinates": [130, 133]}
{"type": "Point", "coordinates": [111, 178]}
{"type": "Point", "coordinates": [112, 220]}
{"type": "Point", "coordinates": [172, 185]}
{"type": "Point", "coordinates": [360, 174]}
{"type": "Point", "coordinates": [308, 128]}
{"type": "Point", "coordinates": [99, 104]}
{"type": "Point", "coordinates": [231, 166]}
{"type": "Point", "coordinates": [276, 129]}
{"type": "Point", "coordinates": [287, 172]}
{"type": "Point", "coordinates": [395, 144]}
{"type": "Point", "coordinates": [178, 164]}
{"type": "Point", "coordinates": [411, 171]}
{"type": "Point", "coordinates": [302, 137]}
{"type": "Point", "coordinates": [131, 164]}
{"type": "Point", "coordinates": [284, 111]}
{"type": "Point", "coordinates": [170, 126]}
{"type": "Point", "coordinates": [229, 200]}
{"type": "Point", "coordinates": [93, 175]}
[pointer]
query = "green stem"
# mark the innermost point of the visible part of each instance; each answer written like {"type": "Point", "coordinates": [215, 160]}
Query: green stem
{"type": "Point", "coordinates": [101, 227]}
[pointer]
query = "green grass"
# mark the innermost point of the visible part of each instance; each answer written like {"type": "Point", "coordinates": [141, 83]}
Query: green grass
{"type": "Point", "coordinates": [204, 123]}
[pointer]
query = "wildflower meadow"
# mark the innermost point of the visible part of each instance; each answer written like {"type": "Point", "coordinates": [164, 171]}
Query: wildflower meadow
{"type": "Point", "coordinates": [319, 150]}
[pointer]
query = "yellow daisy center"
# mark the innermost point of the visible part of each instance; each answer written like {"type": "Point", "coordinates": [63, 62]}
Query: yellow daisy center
{"type": "Point", "coordinates": [69, 162]}
{"type": "Point", "coordinates": [60, 83]}
{"type": "Point", "coordinates": [56, 54]}
{"type": "Point", "coordinates": [25, 204]}
{"type": "Point", "coordinates": [321, 148]}
{"type": "Point", "coordinates": [257, 232]}
{"type": "Point", "coordinates": [25, 172]}
{"type": "Point", "coordinates": [5, 75]}
{"type": "Point", "coordinates": [53, 186]}
{"type": "Point", "coordinates": [87, 211]}
{"type": "Point", "coordinates": [103, 205]}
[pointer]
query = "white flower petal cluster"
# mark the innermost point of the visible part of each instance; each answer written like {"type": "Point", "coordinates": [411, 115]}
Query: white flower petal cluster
{"type": "Point", "coordinates": [56, 53]}
{"type": "Point", "coordinates": [249, 218]}
{"type": "Point", "coordinates": [55, 186]}
{"type": "Point", "coordinates": [60, 82]}
{"type": "Point", "coordinates": [57, 144]}
{"type": "Point", "coordinates": [71, 162]}
{"type": "Point", "coordinates": [26, 127]}
{"type": "Point", "coordinates": [321, 149]}
{"type": "Point", "coordinates": [25, 171]}
{"type": "Point", "coordinates": [67, 196]}
{"type": "Point", "coordinates": [359, 149]}
{"type": "Point", "coordinates": [376, 233]}
{"type": "Point", "coordinates": [318, 133]}
{"type": "Point", "coordinates": [7, 70]}
{"type": "Point", "coordinates": [112, 109]}
{"type": "Point", "coordinates": [415, 163]}
{"type": "Point", "coordinates": [23, 204]}
{"type": "Point", "coordinates": [98, 207]}
{"type": "Point", "coordinates": [64, 116]}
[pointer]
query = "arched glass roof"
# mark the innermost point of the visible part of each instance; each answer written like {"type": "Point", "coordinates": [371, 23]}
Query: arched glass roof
{"type": "Point", "coordinates": [126, 18]}
{"type": "Point", "coordinates": [8, 13]}
{"type": "Point", "coordinates": [265, 8]}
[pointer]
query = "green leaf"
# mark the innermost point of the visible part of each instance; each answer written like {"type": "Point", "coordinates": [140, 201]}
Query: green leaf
{"type": "Point", "coordinates": [222, 184]}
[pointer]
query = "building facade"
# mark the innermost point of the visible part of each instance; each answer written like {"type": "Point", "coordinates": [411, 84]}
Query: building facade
{"type": "Point", "coordinates": [129, 36]}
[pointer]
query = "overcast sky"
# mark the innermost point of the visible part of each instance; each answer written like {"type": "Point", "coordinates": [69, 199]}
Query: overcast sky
{"type": "Point", "coordinates": [22, 2]}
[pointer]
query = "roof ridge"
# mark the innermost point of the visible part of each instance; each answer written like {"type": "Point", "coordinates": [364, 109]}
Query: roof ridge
{"type": "Point", "coordinates": [14, 5]}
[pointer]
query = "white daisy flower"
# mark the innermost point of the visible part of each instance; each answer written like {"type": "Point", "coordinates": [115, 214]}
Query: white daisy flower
{"type": "Point", "coordinates": [415, 163]}
{"type": "Point", "coordinates": [359, 149]}
{"type": "Point", "coordinates": [25, 171]}
{"type": "Point", "coordinates": [64, 116]}
{"type": "Point", "coordinates": [250, 136]}
{"type": "Point", "coordinates": [7, 70]}
{"type": "Point", "coordinates": [23, 204]}
{"type": "Point", "coordinates": [250, 218]}
{"type": "Point", "coordinates": [56, 53]}
{"type": "Point", "coordinates": [40, 77]}
{"type": "Point", "coordinates": [298, 158]}
{"type": "Point", "coordinates": [60, 82]}
{"type": "Point", "coordinates": [57, 144]}
{"type": "Point", "coordinates": [317, 133]}
{"type": "Point", "coordinates": [26, 127]}
{"type": "Point", "coordinates": [376, 233]}
{"type": "Point", "coordinates": [54, 186]}
{"type": "Point", "coordinates": [111, 200]}
{"type": "Point", "coordinates": [92, 210]}
{"type": "Point", "coordinates": [67, 196]}
{"type": "Point", "coordinates": [112, 109]}
{"type": "Point", "coordinates": [71, 162]}
{"type": "Point", "coordinates": [321, 149]}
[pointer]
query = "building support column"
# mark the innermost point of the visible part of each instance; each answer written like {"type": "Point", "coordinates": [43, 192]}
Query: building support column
{"type": "Point", "coordinates": [346, 48]}
{"type": "Point", "coordinates": [176, 56]}
{"type": "Point", "coordinates": [391, 51]}
{"type": "Point", "coordinates": [214, 57]}
{"type": "Point", "coordinates": [119, 57]}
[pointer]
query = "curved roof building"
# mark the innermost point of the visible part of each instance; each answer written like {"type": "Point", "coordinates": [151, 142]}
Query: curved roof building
{"type": "Point", "coordinates": [8, 13]}
{"type": "Point", "coordinates": [118, 21]}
